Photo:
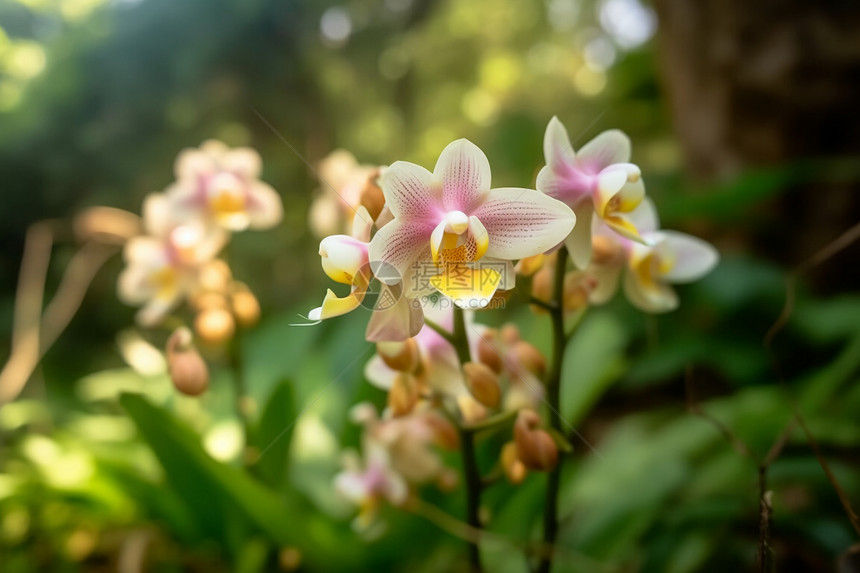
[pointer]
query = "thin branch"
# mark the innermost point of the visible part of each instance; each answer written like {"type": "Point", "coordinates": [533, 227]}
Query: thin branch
{"type": "Point", "coordinates": [553, 388]}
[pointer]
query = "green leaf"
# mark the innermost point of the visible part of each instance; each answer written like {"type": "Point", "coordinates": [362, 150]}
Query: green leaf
{"type": "Point", "coordinates": [211, 489]}
{"type": "Point", "coordinates": [274, 434]}
{"type": "Point", "coordinates": [593, 360]}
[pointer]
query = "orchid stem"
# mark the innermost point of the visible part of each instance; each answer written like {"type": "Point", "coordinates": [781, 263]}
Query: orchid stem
{"type": "Point", "coordinates": [553, 388]}
{"type": "Point", "coordinates": [471, 472]}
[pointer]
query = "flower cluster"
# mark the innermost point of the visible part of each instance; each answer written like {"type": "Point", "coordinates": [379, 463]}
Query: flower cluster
{"type": "Point", "coordinates": [617, 232]}
{"type": "Point", "coordinates": [397, 454]}
{"type": "Point", "coordinates": [442, 244]}
{"type": "Point", "coordinates": [217, 192]}
{"type": "Point", "coordinates": [448, 232]}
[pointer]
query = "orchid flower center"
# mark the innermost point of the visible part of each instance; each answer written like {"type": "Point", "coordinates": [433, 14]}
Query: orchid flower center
{"type": "Point", "coordinates": [458, 239]}
{"type": "Point", "coordinates": [226, 196]}
{"type": "Point", "coordinates": [456, 222]}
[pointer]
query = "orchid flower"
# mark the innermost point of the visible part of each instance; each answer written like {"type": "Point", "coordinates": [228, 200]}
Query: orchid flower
{"type": "Point", "coordinates": [221, 184]}
{"type": "Point", "coordinates": [669, 257]}
{"type": "Point", "coordinates": [397, 452]}
{"type": "Point", "coordinates": [452, 233]}
{"type": "Point", "coordinates": [345, 260]}
{"type": "Point", "coordinates": [345, 186]}
{"type": "Point", "coordinates": [597, 180]}
{"type": "Point", "coordinates": [163, 267]}
{"type": "Point", "coordinates": [368, 482]}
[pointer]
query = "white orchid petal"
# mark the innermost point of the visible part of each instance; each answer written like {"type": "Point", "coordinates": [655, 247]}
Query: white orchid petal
{"type": "Point", "coordinates": [396, 489]}
{"type": "Point", "coordinates": [464, 172]}
{"type": "Point", "coordinates": [243, 161]}
{"type": "Point", "coordinates": [657, 298]}
{"type": "Point", "coordinates": [436, 238]}
{"type": "Point", "coordinates": [557, 149]}
{"type": "Point", "coordinates": [379, 374]}
{"type": "Point", "coordinates": [644, 217]}
{"type": "Point", "coordinates": [410, 191]}
{"type": "Point", "coordinates": [578, 242]}
{"type": "Point", "coordinates": [609, 147]}
{"type": "Point", "coordinates": [156, 310]}
{"type": "Point", "coordinates": [606, 280]}
{"type": "Point", "coordinates": [693, 257]}
{"type": "Point", "coordinates": [144, 250]}
{"type": "Point", "coordinates": [351, 485]}
{"type": "Point", "coordinates": [397, 247]}
{"type": "Point", "coordinates": [192, 163]}
{"type": "Point", "coordinates": [265, 206]}
{"type": "Point", "coordinates": [523, 222]}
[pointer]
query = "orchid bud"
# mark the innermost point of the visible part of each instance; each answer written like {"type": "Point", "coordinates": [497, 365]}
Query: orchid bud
{"type": "Point", "coordinates": [289, 558]}
{"type": "Point", "coordinates": [402, 396]}
{"type": "Point", "coordinates": [444, 433]}
{"type": "Point", "coordinates": [344, 258]}
{"type": "Point", "coordinates": [577, 285]}
{"type": "Point", "coordinates": [488, 351]}
{"type": "Point", "coordinates": [470, 409]}
{"type": "Point", "coordinates": [246, 307]}
{"type": "Point", "coordinates": [400, 356]}
{"type": "Point", "coordinates": [535, 447]}
{"type": "Point", "coordinates": [529, 357]}
{"type": "Point", "coordinates": [509, 334]}
{"type": "Point", "coordinates": [603, 250]}
{"type": "Point", "coordinates": [187, 369]}
{"type": "Point", "coordinates": [483, 384]}
{"type": "Point", "coordinates": [530, 265]}
{"type": "Point", "coordinates": [514, 469]}
{"type": "Point", "coordinates": [206, 300]}
{"type": "Point", "coordinates": [215, 276]}
{"type": "Point", "coordinates": [542, 284]}
{"type": "Point", "coordinates": [372, 197]}
{"type": "Point", "coordinates": [447, 480]}
{"type": "Point", "coordinates": [215, 325]}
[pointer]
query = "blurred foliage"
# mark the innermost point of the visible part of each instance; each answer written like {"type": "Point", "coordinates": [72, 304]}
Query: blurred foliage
{"type": "Point", "coordinates": [100, 464]}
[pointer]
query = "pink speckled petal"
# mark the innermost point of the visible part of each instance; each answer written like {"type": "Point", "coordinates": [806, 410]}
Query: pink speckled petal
{"type": "Point", "coordinates": [609, 147]}
{"type": "Point", "coordinates": [410, 192]}
{"type": "Point", "coordinates": [396, 246]}
{"type": "Point", "coordinates": [464, 172]}
{"type": "Point", "coordinates": [523, 222]}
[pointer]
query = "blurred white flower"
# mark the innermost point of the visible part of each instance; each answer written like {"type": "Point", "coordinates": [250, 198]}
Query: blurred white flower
{"type": "Point", "coordinates": [162, 267]}
{"type": "Point", "coordinates": [222, 185]}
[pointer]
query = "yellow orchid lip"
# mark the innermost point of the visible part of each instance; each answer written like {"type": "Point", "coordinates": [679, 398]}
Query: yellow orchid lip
{"type": "Point", "coordinates": [225, 202]}
{"type": "Point", "coordinates": [466, 286]}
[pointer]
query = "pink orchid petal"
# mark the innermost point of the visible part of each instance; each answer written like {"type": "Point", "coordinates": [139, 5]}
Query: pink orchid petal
{"type": "Point", "coordinates": [265, 208]}
{"type": "Point", "coordinates": [410, 192]}
{"type": "Point", "coordinates": [464, 172]}
{"type": "Point", "coordinates": [557, 149]}
{"type": "Point", "coordinates": [609, 147]}
{"type": "Point", "coordinates": [397, 246]}
{"type": "Point", "coordinates": [523, 222]}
